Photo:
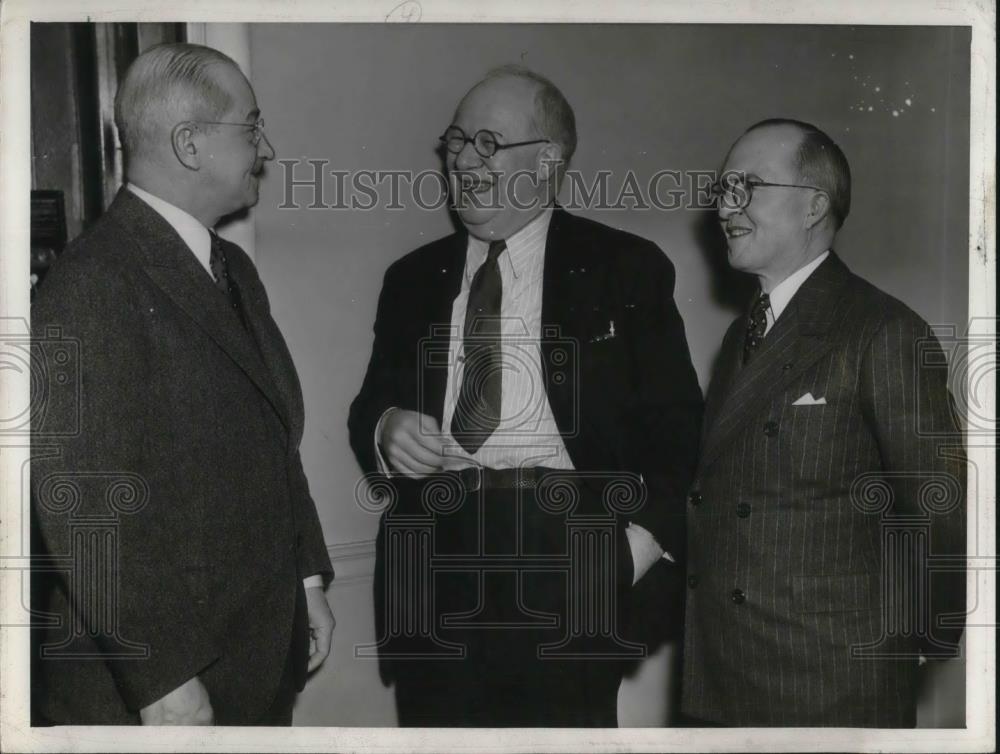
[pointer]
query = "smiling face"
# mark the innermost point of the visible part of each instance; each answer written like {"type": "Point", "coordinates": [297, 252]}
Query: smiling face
{"type": "Point", "coordinates": [770, 237]}
{"type": "Point", "coordinates": [501, 193]}
{"type": "Point", "coordinates": [232, 162]}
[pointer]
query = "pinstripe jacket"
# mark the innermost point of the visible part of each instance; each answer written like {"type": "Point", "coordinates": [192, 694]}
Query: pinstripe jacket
{"type": "Point", "coordinates": [819, 529]}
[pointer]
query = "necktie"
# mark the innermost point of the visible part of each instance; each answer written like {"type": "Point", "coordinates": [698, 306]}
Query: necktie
{"type": "Point", "coordinates": [220, 273]}
{"type": "Point", "coordinates": [477, 411]}
{"type": "Point", "coordinates": [756, 326]}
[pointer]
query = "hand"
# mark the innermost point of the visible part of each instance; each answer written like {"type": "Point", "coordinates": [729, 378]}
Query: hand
{"type": "Point", "coordinates": [412, 443]}
{"type": "Point", "coordinates": [188, 704]}
{"type": "Point", "coordinates": [645, 551]}
{"type": "Point", "coordinates": [321, 624]}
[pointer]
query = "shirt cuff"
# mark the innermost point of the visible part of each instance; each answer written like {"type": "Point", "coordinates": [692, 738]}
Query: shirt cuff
{"type": "Point", "coordinates": [380, 462]}
{"type": "Point", "coordinates": [314, 581]}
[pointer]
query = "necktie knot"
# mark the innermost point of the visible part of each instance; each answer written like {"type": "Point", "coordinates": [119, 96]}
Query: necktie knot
{"type": "Point", "coordinates": [220, 273]}
{"type": "Point", "coordinates": [217, 263]}
{"type": "Point", "coordinates": [496, 249]}
{"type": "Point", "coordinates": [759, 311]}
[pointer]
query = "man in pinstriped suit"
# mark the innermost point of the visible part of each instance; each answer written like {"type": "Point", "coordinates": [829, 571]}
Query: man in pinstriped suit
{"type": "Point", "coordinates": [831, 484]}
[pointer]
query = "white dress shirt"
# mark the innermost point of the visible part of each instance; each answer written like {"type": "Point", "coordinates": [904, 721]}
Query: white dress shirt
{"type": "Point", "coordinates": [527, 434]}
{"type": "Point", "coordinates": [197, 238]}
{"type": "Point", "coordinates": [783, 291]}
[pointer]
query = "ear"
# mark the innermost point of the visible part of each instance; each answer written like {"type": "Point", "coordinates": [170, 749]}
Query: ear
{"type": "Point", "coordinates": [549, 159]}
{"type": "Point", "coordinates": [183, 140]}
{"type": "Point", "coordinates": [819, 208]}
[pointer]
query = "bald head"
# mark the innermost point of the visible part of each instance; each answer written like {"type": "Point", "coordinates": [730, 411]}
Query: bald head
{"type": "Point", "coordinates": [818, 160]}
{"type": "Point", "coordinates": [550, 113]}
{"type": "Point", "coordinates": [164, 86]}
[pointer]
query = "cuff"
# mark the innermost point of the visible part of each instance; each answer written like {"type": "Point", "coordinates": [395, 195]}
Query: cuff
{"type": "Point", "coordinates": [380, 462]}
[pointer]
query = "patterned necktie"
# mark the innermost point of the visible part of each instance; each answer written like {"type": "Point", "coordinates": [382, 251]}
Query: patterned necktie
{"type": "Point", "coordinates": [220, 273]}
{"type": "Point", "coordinates": [477, 411]}
{"type": "Point", "coordinates": [756, 326]}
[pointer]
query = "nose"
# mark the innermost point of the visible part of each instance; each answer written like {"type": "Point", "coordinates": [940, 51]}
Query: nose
{"type": "Point", "coordinates": [726, 209]}
{"type": "Point", "coordinates": [468, 158]}
{"type": "Point", "coordinates": [264, 148]}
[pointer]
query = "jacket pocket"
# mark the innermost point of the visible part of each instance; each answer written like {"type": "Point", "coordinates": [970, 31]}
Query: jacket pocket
{"type": "Point", "coordinates": [843, 593]}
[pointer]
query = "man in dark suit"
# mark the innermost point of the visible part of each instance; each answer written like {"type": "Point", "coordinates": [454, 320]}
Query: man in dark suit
{"type": "Point", "coordinates": [826, 524]}
{"type": "Point", "coordinates": [529, 378]}
{"type": "Point", "coordinates": [188, 557]}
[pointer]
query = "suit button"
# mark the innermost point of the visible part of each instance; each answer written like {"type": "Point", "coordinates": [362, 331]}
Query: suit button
{"type": "Point", "coordinates": [743, 510]}
{"type": "Point", "coordinates": [694, 498]}
{"type": "Point", "coordinates": [693, 580]}
{"type": "Point", "coordinates": [770, 428]}
{"type": "Point", "coordinates": [738, 597]}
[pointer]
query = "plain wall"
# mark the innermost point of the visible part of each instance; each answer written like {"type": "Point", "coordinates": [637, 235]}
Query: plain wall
{"type": "Point", "coordinates": [647, 98]}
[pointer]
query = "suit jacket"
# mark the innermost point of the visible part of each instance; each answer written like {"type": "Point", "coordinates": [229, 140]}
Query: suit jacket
{"type": "Point", "coordinates": [815, 529]}
{"type": "Point", "coordinates": [628, 403]}
{"type": "Point", "coordinates": [193, 421]}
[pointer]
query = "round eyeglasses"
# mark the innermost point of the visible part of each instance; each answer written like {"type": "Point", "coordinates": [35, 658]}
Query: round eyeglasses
{"type": "Point", "coordinates": [484, 142]}
{"type": "Point", "coordinates": [735, 192]}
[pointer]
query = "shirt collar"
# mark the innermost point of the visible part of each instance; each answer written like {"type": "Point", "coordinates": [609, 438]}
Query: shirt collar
{"type": "Point", "coordinates": [192, 232]}
{"type": "Point", "coordinates": [787, 288]}
{"type": "Point", "coordinates": [523, 248]}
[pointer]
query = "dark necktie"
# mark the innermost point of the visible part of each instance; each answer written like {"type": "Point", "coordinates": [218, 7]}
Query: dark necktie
{"type": "Point", "coordinates": [220, 272]}
{"type": "Point", "coordinates": [477, 411]}
{"type": "Point", "coordinates": [756, 326]}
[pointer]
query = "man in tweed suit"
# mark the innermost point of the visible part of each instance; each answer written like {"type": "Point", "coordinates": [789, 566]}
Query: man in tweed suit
{"type": "Point", "coordinates": [189, 401]}
{"type": "Point", "coordinates": [831, 475]}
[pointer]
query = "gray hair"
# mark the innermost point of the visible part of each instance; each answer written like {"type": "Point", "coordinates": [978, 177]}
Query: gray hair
{"type": "Point", "coordinates": [554, 118]}
{"type": "Point", "coordinates": [167, 84]}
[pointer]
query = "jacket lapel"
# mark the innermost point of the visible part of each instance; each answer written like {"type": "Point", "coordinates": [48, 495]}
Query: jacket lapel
{"type": "Point", "coordinates": [564, 294]}
{"type": "Point", "coordinates": [271, 344]}
{"type": "Point", "coordinates": [727, 368]}
{"type": "Point", "coordinates": [798, 339]}
{"type": "Point", "coordinates": [441, 289]}
{"type": "Point", "coordinates": [175, 270]}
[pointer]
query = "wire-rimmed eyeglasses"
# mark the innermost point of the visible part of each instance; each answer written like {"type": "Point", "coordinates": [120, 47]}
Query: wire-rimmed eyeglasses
{"type": "Point", "coordinates": [733, 191]}
{"type": "Point", "coordinates": [257, 128]}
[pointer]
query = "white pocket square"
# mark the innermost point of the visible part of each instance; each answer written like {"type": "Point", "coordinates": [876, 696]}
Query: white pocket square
{"type": "Point", "coordinates": [808, 400]}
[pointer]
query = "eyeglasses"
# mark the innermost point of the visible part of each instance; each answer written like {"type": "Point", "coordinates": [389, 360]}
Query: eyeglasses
{"type": "Point", "coordinates": [734, 192]}
{"type": "Point", "coordinates": [257, 128]}
{"type": "Point", "coordinates": [484, 142]}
